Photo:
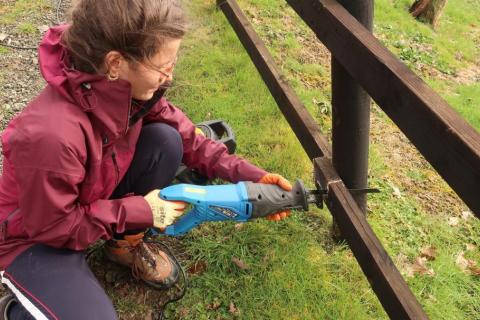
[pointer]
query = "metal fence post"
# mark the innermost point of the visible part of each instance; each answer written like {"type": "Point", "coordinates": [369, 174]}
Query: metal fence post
{"type": "Point", "coordinates": [351, 115]}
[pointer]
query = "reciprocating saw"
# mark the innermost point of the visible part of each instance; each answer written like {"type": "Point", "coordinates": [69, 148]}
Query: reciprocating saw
{"type": "Point", "coordinates": [235, 202]}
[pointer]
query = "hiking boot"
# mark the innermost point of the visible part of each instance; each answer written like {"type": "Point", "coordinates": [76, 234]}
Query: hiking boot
{"type": "Point", "coordinates": [5, 303]}
{"type": "Point", "coordinates": [147, 260]}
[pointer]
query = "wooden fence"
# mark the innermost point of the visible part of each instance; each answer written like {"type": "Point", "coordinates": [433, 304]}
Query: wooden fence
{"type": "Point", "coordinates": [446, 140]}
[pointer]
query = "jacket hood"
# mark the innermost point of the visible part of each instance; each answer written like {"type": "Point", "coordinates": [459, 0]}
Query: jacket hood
{"type": "Point", "coordinates": [108, 101]}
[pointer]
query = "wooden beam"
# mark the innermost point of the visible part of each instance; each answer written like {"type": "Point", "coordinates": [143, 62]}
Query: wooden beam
{"type": "Point", "coordinates": [300, 120]}
{"type": "Point", "coordinates": [394, 294]}
{"type": "Point", "coordinates": [391, 289]}
{"type": "Point", "coordinates": [444, 138]}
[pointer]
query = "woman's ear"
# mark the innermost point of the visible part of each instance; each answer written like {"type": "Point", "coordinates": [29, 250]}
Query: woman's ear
{"type": "Point", "coordinates": [112, 62]}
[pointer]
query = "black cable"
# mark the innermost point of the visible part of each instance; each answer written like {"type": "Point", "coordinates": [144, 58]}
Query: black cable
{"type": "Point", "coordinates": [17, 47]}
{"type": "Point", "coordinates": [156, 240]}
{"type": "Point", "coordinates": [161, 315]}
{"type": "Point", "coordinates": [94, 249]}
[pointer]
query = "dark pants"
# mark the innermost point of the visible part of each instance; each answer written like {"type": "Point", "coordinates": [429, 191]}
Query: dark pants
{"type": "Point", "coordinates": [52, 283]}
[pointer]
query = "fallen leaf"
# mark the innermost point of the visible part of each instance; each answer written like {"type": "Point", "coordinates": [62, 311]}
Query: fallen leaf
{"type": "Point", "coordinates": [453, 221]}
{"type": "Point", "coordinates": [239, 226]}
{"type": "Point", "coordinates": [419, 266]}
{"type": "Point", "coordinates": [3, 36]}
{"type": "Point", "coordinates": [461, 261]}
{"type": "Point", "coordinates": [470, 247]}
{"type": "Point", "coordinates": [183, 312]}
{"type": "Point", "coordinates": [233, 309]}
{"type": "Point", "coordinates": [239, 263]}
{"type": "Point", "coordinates": [198, 267]}
{"type": "Point", "coordinates": [214, 305]}
{"type": "Point", "coordinates": [429, 252]}
{"type": "Point", "coordinates": [475, 271]}
{"type": "Point", "coordinates": [396, 192]}
{"type": "Point", "coordinates": [466, 265]}
{"type": "Point", "coordinates": [467, 215]}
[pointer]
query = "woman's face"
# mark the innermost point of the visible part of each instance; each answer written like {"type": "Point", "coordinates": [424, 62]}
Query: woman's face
{"type": "Point", "coordinates": [148, 76]}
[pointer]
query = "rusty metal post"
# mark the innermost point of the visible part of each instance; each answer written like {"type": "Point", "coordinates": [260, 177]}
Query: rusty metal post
{"type": "Point", "coordinates": [351, 115]}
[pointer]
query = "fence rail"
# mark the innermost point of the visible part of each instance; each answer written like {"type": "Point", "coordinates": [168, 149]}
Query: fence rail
{"type": "Point", "coordinates": [446, 140]}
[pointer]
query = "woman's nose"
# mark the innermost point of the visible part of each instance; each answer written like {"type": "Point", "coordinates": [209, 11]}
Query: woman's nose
{"type": "Point", "coordinates": [166, 79]}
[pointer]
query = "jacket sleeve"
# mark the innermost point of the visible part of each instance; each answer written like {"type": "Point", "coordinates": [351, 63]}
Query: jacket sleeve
{"type": "Point", "coordinates": [48, 185]}
{"type": "Point", "coordinates": [209, 157]}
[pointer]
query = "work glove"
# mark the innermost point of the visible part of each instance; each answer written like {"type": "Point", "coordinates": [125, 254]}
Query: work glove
{"type": "Point", "coordinates": [271, 178]}
{"type": "Point", "coordinates": [164, 212]}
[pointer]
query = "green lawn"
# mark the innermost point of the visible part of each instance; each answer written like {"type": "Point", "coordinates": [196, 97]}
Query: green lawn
{"type": "Point", "coordinates": [294, 269]}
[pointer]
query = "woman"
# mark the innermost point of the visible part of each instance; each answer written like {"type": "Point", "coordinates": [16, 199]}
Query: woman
{"type": "Point", "coordinates": [81, 161]}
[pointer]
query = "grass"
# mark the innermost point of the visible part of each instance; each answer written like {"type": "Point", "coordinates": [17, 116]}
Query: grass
{"type": "Point", "coordinates": [27, 28]}
{"type": "Point", "coordinates": [22, 9]}
{"type": "Point", "coordinates": [294, 269]}
{"type": "Point", "coordinates": [465, 99]}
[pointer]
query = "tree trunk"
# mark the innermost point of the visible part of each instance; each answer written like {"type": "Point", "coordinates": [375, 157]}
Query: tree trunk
{"type": "Point", "coordinates": [428, 10]}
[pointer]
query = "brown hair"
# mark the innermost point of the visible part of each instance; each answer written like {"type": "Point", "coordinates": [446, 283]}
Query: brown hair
{"type": "Point", "coordinates": [135, 28]}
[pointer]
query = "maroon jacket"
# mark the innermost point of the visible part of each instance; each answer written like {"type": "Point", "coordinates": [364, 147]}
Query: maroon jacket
{"type": "Point", "coordinates": [58, 170]}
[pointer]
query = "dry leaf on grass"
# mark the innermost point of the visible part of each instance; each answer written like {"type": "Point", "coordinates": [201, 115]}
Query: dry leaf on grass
{"type": "Point", "coordinates": [453, 221]}
{"type": "Point", "coordinates": [463, 263]}
{"type": "Point", "coordinates": [214, 305]}
{"type": "Point", "coordinates": [198, 267]}
{"type": "Point", "coordinates": [429, 252]}
{"type": "Point", "coordinates": [183, 313]}
{"type": "Point", "coordinates": [467, 265]}
{"type": "Point", "coordinates": [410, 269]}
{"type": "Point", "coordinates": [475, 271]}
{"type": "Point", "coordinates": [470, 247]}
{"type": "Point", "coordinates": [239, 263]}
{"type": "Point", "coordinates": [233, 309]}
{"type": "Point", "coordinates": [239, 226]}
{"type": "Point", "coordinates": [396, 192]}
{"type": "Point", "coordinates": [420, 267]}
{"type": "Point", "coordinates": [3, 36]}
{"type": "Point", "coordinates": [467, 215]}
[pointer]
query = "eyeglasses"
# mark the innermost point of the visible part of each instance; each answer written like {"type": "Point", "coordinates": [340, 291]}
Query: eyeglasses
{"type": "Point", "coordinates": [167, 69]}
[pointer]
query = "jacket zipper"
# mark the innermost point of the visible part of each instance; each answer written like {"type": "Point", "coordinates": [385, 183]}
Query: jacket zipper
{"type": "Point", "coordinates": [128, 117]}
{"type": "Point", "coordinates": [115, 164]}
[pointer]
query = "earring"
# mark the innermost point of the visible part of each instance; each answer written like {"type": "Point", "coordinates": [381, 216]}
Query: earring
{"type": "Point", "coordinates": [111, 77]}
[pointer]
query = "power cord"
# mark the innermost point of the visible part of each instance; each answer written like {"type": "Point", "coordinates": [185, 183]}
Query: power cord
{"type": "Point", "coordinates": [182, 285]}
{"type": "Point", "coordinates": [183, 289]}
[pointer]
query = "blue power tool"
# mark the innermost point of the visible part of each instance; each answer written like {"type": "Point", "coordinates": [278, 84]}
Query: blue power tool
{"type": "Point", "coordinates": [235, 202]}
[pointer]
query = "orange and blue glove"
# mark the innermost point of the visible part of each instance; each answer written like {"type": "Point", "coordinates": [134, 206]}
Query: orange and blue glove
{"type": "Point", "coordinates": [272, 178]}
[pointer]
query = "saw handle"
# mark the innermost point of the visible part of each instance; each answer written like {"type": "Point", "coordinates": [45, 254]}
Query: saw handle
{"type": "Point", "coordinates": [267, 199]}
